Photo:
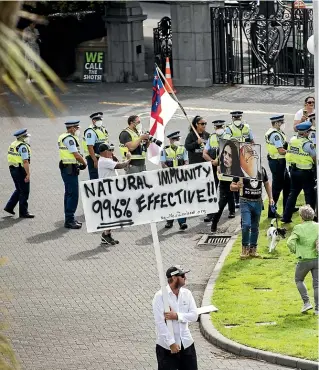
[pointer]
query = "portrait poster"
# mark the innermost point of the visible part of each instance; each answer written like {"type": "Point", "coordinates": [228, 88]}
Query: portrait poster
{"type": "Point", "coordinates": [240, 159]}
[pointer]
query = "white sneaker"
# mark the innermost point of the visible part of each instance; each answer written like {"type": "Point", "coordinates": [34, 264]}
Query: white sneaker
{"type": "Point", "coordinates": [306, 307]}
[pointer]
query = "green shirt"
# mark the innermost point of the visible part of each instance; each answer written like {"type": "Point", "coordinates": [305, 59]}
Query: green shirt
{"type": "Point", "coordinates": [302, 240]}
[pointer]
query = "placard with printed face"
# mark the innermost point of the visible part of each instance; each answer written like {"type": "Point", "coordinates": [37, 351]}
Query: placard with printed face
{"type": "Point", "coordinates": [239, 159]}
{"type": "Point", "coordinates": [150, 196]}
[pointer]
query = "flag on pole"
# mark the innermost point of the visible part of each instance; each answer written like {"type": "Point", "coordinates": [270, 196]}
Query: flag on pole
{"type": "Point", "coordinates": [163, 109]}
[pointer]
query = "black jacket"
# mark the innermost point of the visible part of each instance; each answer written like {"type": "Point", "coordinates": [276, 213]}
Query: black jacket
{"type": "Point", "coordinates": [195, 151]}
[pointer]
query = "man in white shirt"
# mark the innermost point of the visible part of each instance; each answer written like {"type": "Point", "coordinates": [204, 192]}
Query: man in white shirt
{"type": "Point", "coordinates": [107, 166]}
{"type": "Point", "coordinates": [175, 352]}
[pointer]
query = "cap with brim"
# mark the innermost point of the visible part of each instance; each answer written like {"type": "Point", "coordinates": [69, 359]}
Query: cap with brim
{"type": "Point", "coordinates": [304, 126]}
{"type": "Point", "coordinates": [72, 123]}
{"type": "Point", "coordinates": [97, 115]}
{"type": "Point", "coordinates": [236, 113]}
{"type": "Point", "coordinates": [104, 147]}
{"type": "Point", "coordinates": [176, 271]}
{"type": "Point", "coordinates": [278, 117]}
{"type": "Point", "coordinates": [174, 135]}
{"type": "Point", "coordinates": [21, 132]}
{"type": "Point", "coordinates": [218, 122]}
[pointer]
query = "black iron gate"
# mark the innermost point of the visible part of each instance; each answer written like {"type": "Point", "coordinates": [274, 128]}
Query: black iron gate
{"type": "Point", "coordinates": [162, 38]}
{"type": "Point", "coordinates": [263, 44]}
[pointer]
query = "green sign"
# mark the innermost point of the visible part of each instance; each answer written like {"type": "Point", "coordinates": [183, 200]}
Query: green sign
{"type": "Point", "coordinates": [93, 66]}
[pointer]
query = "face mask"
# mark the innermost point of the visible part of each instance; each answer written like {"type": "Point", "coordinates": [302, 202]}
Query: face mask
{"type": "Point", "coordinates": [77, 133]}
{"type": "Point", "coordinates": [282, 127]}
{"type": "Point", "coordinates": [238, 122]}
{"type": "Point", "coordinates": [177, 143]}
{"type": "Point", "coordinates": [219, 131]}
{"type": "Point", "coordinates": [139, 127]}
{"type": "Point", "coordinates": [27, 140]}
{"type": "Point", "coordinates": [98, 123]}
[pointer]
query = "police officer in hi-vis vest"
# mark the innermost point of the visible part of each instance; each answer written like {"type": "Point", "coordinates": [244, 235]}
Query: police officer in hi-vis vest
{"type": "Point", "coordinates": [276, 146]}
{"type": "Point", "coordinates": [132, 141]}
{"type": "Point", "coordinates": [94, 136]}
{"type": "Point", "coordinates": [210, 154]}
{"type": "Point", "coordinates": [301, 159]}
{"type": "Point", "coordinates": [71, 162]}
{"type": "Point", "coordinates": [174, 155]}
{"type": "Point", "coordinates": [19, 155]}
{"type": "Point", "coordinates": [238, 129]}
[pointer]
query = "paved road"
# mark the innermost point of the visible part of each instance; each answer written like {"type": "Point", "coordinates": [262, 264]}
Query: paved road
{"type": "Point", "coordinates": [72, 304]}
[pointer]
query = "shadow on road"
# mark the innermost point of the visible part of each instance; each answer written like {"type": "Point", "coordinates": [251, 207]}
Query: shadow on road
{"type": "Point", "coordinates": [8, 221]}
{"type": "Point", "coordinates": [57, 233]}
{"type": "Point", "coordinates": [89, 254]}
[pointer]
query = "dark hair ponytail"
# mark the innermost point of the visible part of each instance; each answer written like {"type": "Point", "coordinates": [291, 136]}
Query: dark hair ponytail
{"type": "Point", "coordinates": [195, 121]}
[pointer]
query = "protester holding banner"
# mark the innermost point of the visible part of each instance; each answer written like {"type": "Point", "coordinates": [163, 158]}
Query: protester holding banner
{"type": "Point", "coordinates": [132, 141]}
{"type": "Point", "coordinates": [195, 142]}
{"type": "Point", "coordinates": [276, 146]}
{"type": "Point", "coordinates": [210, 154]}
{"type": "Point", "coordinates": [175, 351]}
{"type": "Point", "coordinates": [107, 167]}
{"type": "Point", "coordinates": [93, 137]}
{"type": "Point", "coordinates": [71, 162]}
{"type": "Point", "coordinates": [250, 191]}
{"type": "Point", "coordinates": [174, 155]}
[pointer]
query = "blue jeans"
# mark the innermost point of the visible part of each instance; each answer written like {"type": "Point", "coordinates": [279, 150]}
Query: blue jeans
{"type": "Point", "coordinates": [250, 216]}
{"type": "Point", "coordinates": [71, 195]}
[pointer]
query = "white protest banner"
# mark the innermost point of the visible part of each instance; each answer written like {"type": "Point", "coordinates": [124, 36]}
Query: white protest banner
{"type": "Point", "coordinates": [150, 196]}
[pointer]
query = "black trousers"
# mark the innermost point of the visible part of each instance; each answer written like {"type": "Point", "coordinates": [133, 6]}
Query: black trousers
{"type": "Point", "coordinates": [21, 193]}
{"type": "Point", "coordinates": [186, 359]}
{"type": "Point", "coordinates": [225, 196]}
{"type": "Point", "coordinates": [300, 180]}
{"type": "Point", "coordinates": [93, 172]}
{"type": "Point", "coordinates": [280, 181]}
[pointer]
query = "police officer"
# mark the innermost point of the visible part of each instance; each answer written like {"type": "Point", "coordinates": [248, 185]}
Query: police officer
{"type": "Point", "coordinates": [238, 129]}
{"type": "Point", "coordinates": [132, 141]}
{"type": "Point", "coordinates": [94, 135]}
{"type": "Point", "coordinates": [276, 146]}
{"type": "Point", "coordinates": [70, 164]}
{"type": "Point", "coordinates": [301, 158]}
{"type": "Point", "coordinates": [19, 155]}
{"type": "Point", "coordinates": [174, 155]}
{"type": "Point", "coordinates": [210, 154]}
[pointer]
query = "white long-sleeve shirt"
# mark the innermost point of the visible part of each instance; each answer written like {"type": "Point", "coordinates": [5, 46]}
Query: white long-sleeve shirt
{"type": "Point", "coordinates": [185, 307]}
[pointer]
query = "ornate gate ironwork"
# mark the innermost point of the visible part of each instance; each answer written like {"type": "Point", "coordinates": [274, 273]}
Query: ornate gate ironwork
{"type": "Point", "coordinates": [262, 44]}
{"type": "Point", "coordinates": [163, 43]}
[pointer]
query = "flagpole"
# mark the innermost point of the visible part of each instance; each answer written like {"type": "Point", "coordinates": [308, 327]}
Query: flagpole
{"type": "Point", "coordinates": [158, 70]}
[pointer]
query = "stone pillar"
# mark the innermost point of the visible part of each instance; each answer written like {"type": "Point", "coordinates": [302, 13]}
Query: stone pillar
{"type": "Point", "coordinates": [192, 48]}
{"type": "Point", "coordinates": [125, 40]}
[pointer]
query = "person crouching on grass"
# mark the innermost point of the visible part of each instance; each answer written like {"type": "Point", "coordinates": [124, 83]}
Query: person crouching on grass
{"type": "Point", "coordinates": [107, 166]}
{"type": "Point", "coordinates": [303, 241]}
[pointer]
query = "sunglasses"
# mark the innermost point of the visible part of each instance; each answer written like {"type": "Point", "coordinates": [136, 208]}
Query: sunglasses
{"type": "Point", "coordinates": [311, 102]}
{"type": "Point", "coordinates": [182, 276]}
{"type": "Point", "coordinates": [202, 123]}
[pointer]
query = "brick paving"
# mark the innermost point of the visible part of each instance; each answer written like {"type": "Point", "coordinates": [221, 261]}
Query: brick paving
{"type": "Point", "coordinates": [72, 304]}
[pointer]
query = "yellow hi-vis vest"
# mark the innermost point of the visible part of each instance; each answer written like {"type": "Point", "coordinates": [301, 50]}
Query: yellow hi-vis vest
{"type": "Point", "coordinates": [296, 155]}
{"type": "Point", "coordinates": [14, 158]}
{"type": "Point", "coordinates": [123, 149]}
{"type": "Point", "coordinates": [271, 149]}
{"type": "Point", "coordinates": [213, 141]}
{"type": "Point", "coordinates": [237, 133]}
{"type": "Point", "coordinates": [102, 137]}
{"type": "Point", "coordinates": [65, 155]}
{"type": "Point", "coordinates": [174, 158]}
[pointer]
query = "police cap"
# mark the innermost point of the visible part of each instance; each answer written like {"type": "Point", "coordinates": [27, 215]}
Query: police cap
{"type": "Point", "coordinates": [174, 135]}
{"type": "Point", "coordinates": [278, 117]}
{"type": "Point", "coordinates": [97, 116]}
{"type": "Point", "coordinates": [218, 122]}
{"type": "Point", "coordinates": [236, 113]}
{"type": "Point", "coordinates": [72, 123]}
{"type": "Point", "coordinates": [22, 132]}
{"type": "Point", "coordinates": [304, 126]}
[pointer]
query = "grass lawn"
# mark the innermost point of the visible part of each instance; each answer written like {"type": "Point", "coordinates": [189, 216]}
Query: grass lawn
{"type": "Point", "coordinates": [241, 304]}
